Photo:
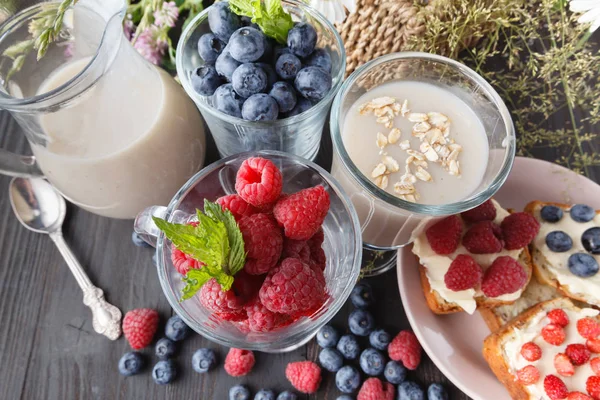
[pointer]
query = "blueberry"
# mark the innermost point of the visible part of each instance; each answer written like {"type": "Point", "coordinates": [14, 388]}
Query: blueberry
{"type": "Point", "coordinates": [164, 372]}
{"type": "Point", "coordinates": [205, 80]}
{"type": "Point", "coordinates": [222, 21]}
{"type": "Point", "coordinates": [271, 75]}
{"type": "Point", "coordinates": [203, 360]}
{"type": "Point", "coordinates": [559, 241]}
{"type": "Point", "coordinates": [287, 395]}
{"type": "Point", "coordinates": [226, 65]}
{"type": "Point", "coordinates": [138, 241]}
{"type": "Point", "coordinates": [348, 347]}
{"type": "Point", "coordinates": [343, 397]}
{"type": "Point", "coordinates": [327, 336]}
{"type": "Point", "coordinates": [551, 213]}
{"type": "Point", "coordinates": [583, 265]}
{"type": "Point", "coordinates": [410, 391]}
{"type": "Point", "coordinates": [260, 107]}
{"type": "Point", "coordinates": [436, 392]}
{"type": "Point", "coordinates": [362, 296]}
{"type": "Point", "coordinates": [582, 213]}
{"type": "Point", "coordinates": [239, 392]}
{"type": "Point", "coordinates": [361, 322]}
{"type": "Point", "coordinates": [380, 339]}
{"type": "Point", "coordinates": [249, 79]}
{"type": "Point", "coordinates": [131, 363]}
{"type": "Point", "coordinates": [347, 379]}
{"type": "Point", "coordinates": [287, 66]}
{"type": "Point", "coordinates": [319, 58]}
{"type": "Point", "coordinates": [228, 101]}
{"type": "Point", "coordinates": [165, 348]}
{"type": "Point", "coordinates": [331, 359]}
{"type": "Point", "coordinates": [209, 47]}
{"type": "Point", "coordinates": [313, 83]}
{"type": "Point", "coordinates": [302, 105]}
{"type": "Point", "coordinates": [372, 362]}
{"type": "Point", "coordinates": [278, 50]}
{"type": "Point", "coordinates": [176, 329]}
{"type": "Point", "coordinates": [247, 44]}
{"type": "Point", "coordinates": [591, 240]}
{"type": "Point", "coordinates": [284, 95]}
{"type": "Point", "coordinates": [302, 39]}
{"type": "Point", "coordinates": [394, 372]}
{"type": "Point", "coordinates": [264, 394]}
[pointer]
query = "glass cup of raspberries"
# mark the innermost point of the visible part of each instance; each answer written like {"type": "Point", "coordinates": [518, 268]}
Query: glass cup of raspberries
{"type": "Point", "coordinates": [303, 248]}
{"type": "Point", "coordinates": [254, 92]}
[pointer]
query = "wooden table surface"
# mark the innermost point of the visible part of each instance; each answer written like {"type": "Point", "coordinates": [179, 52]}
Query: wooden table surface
{"type": "Point", "coordinates": [48, 347]}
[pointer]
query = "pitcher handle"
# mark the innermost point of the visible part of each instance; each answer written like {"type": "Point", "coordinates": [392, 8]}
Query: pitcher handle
{"type": "Point", "coordinates": [147, 229]}
{"type": "Point", "coordinates": [12, 164]}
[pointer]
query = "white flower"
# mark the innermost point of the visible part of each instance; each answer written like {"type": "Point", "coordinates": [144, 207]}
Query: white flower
{"type": "Point", "coordinates": [334, 10]}
{"type": "Point", "coordinates": [167, 15]}
{"type": "Point", "coordinates": [591, 9]}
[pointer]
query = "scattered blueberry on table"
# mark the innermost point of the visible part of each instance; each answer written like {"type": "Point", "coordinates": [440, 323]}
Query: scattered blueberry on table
{"type": "Point", "coordinates": [204, 360]}
{"type": "Point", "coordinates": [408, 390]}
{"type": "Point", "coordinates": [394, 372]}
{"type": "Point", "coordinates": [264, 394]}
{"type": "Point", "coordinates": [372, 362]}
{"type": "Point", "coordinates": [327, 336]}
{"type": "Point", "coordinates": [287, 395]}
{"type": "Point", "coordinates": [164, 372]}
{"type": "Point", "coordinates": [348, 346]}
{"type": "Point", "coordinates": [239, 392]}
{"type": "Point", "coordinates": [176, 329]}
{"type": "Point", "coordinates": [331, 359]}
{"type": "Point", "coordinates": [436, 392]}
{"type": "Point", "coordinates": [361, 322]}
{"type": "Point", "coordinates": [164, 348]}
{"type": "Point", "coordinates": [362, 296]}
{"type": "Point", "coordinates": [380, 339]}
{"type": "Point", "coordinates": [131, 363]}
{"type": "Point", "coordinates": [249, 75]}
{"type": "Point", "coordinates": [347, 379]}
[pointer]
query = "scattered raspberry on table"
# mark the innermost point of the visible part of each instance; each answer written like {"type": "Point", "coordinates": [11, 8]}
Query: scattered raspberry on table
{"type": "Point", "coordinates": [239, 362]}
{"type": "Point", "coordinates": [305, 376]}
{"type": "Point", "coordinates": [139, 326]}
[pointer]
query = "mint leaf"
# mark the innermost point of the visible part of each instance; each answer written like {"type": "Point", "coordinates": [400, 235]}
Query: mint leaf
{"type": "Point", "coordinates": [242, 7]}
{"type": "Point", "coordinates": [196, 278]}
{"type": "Point", "coordinates": [217, 242]}
{"type": "Point", "coordinates": [237, 254]}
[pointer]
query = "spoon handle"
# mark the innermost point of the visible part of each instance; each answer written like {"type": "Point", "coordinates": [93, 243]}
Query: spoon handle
{"type": "Point", "coordinates": [106, 317]}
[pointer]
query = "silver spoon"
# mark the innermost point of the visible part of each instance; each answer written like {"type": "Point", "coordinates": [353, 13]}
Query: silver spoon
{"type": "Point", "coordinates": [40, 208]}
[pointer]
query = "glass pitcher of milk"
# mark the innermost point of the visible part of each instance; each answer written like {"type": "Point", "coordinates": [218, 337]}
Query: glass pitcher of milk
{"type": "Point", "coordinates": [111, 131]}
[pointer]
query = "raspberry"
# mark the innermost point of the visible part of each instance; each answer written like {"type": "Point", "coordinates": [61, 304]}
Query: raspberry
{"type": "Point", "coordinates": [563, 365]}
{"type": "Point", "coordinates": [258, 181]}
{"type": "Point", "coordinates": [578, 353]}
{"type": "Point", "coordinates": [233, 316]}
{"type": "Point", "coordinates": [305, 376]}
{"type": "Point", "coordinates": [182, 262]}
{"type": "Point", "coordinates": [260, 319]}
{"type": "Point", "coordinates": [316, 240]}
{"type": "Point", "coordinates": [464, 273]}
{"type": "Point", "coordinates": [216, 300]}
{"type": "Point", "coordinates": [555, 388]}
{"type": "Point", "coordinates": [243, 326]}
{"type": "Point", "coordinates": [595, 364]}
{"type": "Point", "coordinates": [484, 212]}
{"type": "Point", "coordinates": [518, 230]}
{"type": "Point", "coordinates": [262, 241]}
{"type": "Point", "coordinates": [238, 206]}
{"type": "Point", "coordinates": [593, 345]}
{"type": "Point", "coordinates": [406, 348]}
{"type": "Point", "coordinates": [317, 254]}
{"type": "Point", "coordinates": [444, 235]}
{"type": "Point", "coordinates": [531, 351]}
{"type": "Point", "coordinates": [139, 326]}
{"type": "Point", "coordinates": [504, 276]}
{"type": "Point", "coordinates": [578, 396]}
{"type": "Point", "coordinates": [297, 249]}
{"type": "Point", "coordinates": [292, 287]}
{"type": "Point", "coordinates": [239, 362]}
{"type": "Point", "coordinates": [528, 375]}
{"type": "Point", "coordinates": [484, 237]}
{"type": "Point", "coordinates": [302, 214]}
{"type": "Point", "coordinates": [588, 328]}
{"type": "Point", "coordinates": [553, 334]}
{"type": "Point", "coordinates": [374, 389]}
{"type": "Point", "coordinates": [592, 385]}
{"type": "Point", "coordinates": [558, 317]}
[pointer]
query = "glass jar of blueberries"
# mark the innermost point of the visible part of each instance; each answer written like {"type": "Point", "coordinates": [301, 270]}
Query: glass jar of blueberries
{"type": "Point", "coordinates": [256, 93]}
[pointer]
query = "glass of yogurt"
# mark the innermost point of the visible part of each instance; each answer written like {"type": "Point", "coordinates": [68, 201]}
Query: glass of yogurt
{"type": "Point", "coordinates": [416, 137]}
{"type": "Point", "coordinates": [299, 134]}
{"type": "Point", "coordinates": [113, 133]}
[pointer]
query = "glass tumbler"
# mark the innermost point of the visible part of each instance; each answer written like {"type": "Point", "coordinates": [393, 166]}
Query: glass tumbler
{"type": "Point", "coordinates": [342, 246]}
{"type": "Point", "coordinates": [299, 134]}
{"type": "Point", "coordinates": [387, 222]}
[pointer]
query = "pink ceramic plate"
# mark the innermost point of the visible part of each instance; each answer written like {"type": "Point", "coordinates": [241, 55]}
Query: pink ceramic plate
{"type": "Point", "coordinates": [454, 342]}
